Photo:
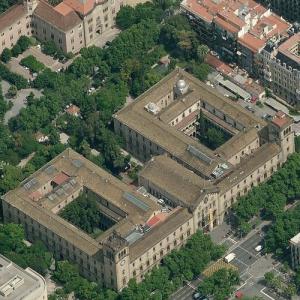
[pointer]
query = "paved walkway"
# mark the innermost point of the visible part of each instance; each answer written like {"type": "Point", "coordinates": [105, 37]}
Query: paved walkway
{"type": "Point", "coordinates": [19, 102]}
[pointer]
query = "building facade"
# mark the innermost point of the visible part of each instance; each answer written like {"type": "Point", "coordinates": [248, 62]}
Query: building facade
{"type": "Point", "coordinates": [281, 69]}
{"type": "Point", "coordinates": [72, 24]}
{"type": "Point", "coordinates": [19, 284]}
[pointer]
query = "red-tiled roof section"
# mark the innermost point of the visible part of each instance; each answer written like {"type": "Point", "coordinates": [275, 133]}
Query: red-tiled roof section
{"type": "Point", "coordinates": [60, 178]}
{"type": "Point", "coordinates": [251, 42]}
{"type": "Point", "coordinates": [218, 64]}
{"type": "Point", "coordinates": [63, 22]}
{"type": "Point", "coordinates": [63, 9]}
{"type": "Point", "coordinates": [73, 110]}
{"type": "Point", "coordinates": [281, 119]}
{"type": "Point", "coordinates": [156, 219]}
{"type": "Point", "coordinates": [12, 15]}
{"type": "Point", "coordinates": [81, 6]}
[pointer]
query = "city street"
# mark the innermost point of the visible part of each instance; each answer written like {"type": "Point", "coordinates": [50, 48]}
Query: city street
{"type": "Point", "coordinates": [252, 265]}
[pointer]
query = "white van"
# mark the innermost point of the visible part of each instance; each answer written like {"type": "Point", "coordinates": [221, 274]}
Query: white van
{"type": "Point", "coordinates": [258, 248]}
{"type": "Point", "coordinates": [228, 258]}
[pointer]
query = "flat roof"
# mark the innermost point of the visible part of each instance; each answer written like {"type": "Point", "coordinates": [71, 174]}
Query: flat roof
{"type": "Point", "coordinates": [296, 239]}
{"type": "Point", "coordinates": [291, 48]}
{"type": "Point", "coordinates": [17, 283]}
{"type": "Point", "coordinates": [280, 107]}
{"type": "Point", "coordinates": [233, 87]}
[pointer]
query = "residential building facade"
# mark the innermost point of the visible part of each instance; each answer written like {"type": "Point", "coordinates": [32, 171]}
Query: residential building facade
{"type": "Point", "coordinates": [281, 69]}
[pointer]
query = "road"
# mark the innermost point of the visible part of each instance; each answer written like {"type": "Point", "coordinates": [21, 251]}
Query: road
{"type": "Point", "coordinates": [251, 264]}
{"type": "Point", "coordinates": [187, 291]}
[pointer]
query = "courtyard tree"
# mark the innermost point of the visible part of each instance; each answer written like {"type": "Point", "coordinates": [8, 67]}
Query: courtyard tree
{"type": "Point", "coordinates": [12, 91]}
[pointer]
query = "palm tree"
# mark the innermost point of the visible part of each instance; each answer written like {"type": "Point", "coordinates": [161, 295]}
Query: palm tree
{"type": "Point", "coordinates": [202, 51]}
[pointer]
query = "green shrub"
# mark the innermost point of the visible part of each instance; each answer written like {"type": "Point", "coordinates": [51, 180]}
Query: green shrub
{"type": "Point", "coordinates": [32, 63]}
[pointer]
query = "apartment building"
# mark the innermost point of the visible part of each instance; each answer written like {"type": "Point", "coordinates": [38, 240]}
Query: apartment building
{"type": "Point", "coordinates": [288, 8]}
{"type": "Point", "coordinates": [237, 29]}
{"type": "Point", "coordinates": [72, 24]}
{"type": "Point", "coordinates": [19, 284]}
{"type": "Point", "coordinates": [281, 68]}
{"type": "Point", "coordinates": [197, 184]}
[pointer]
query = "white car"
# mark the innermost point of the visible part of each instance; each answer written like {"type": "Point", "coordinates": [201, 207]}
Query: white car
{"type": "Point", "coordinates": [258, 248]}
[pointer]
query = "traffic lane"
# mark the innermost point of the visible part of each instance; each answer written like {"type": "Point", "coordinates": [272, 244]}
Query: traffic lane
{"type": "Point", "coordinates": [186, 292]}
{"type": "Point", "coordinates": [251, 243]}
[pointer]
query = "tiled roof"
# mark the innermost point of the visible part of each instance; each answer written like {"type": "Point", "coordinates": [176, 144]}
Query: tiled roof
{"type": "Point", "coordinates": [83, 7]}
{"type": "Point", "coordinates": [12, 15]}
{"type": "Point", "coordinates": [61, 21]}
{"type": "Point", "coordinates": [251, 42]}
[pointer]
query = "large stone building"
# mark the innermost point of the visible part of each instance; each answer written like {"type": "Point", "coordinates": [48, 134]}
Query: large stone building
{"type": "Point", "coordinates": [237, 29]}
{"type": "Point", "coordinates": [165, 121]}
{"type": "Point", "coordinates": [281, 68]}
{"type": "Point", "coordinates": [72, 24]}
{"type": "Point", "coordinates": [19, 284]}
{"type": "Point", "coordinates": [197, 184]}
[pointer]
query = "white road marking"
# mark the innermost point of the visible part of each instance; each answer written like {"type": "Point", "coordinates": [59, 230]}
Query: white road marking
{"type": "Point", "coordinates": [241, 262]}
{"type": "Point", "coordinates": [232, 240]}
{"type": "Point", "coordinates": [191, 286]}
{"type": "Point", "coordinates": [262, 291]}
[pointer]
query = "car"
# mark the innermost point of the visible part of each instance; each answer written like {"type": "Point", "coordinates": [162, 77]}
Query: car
{"type": "Point", "coordinates": [161, 201]}
{"type": "Point", "coordinates": [250, 108]}
{"type": "Point", "coordinates": [258, 248]}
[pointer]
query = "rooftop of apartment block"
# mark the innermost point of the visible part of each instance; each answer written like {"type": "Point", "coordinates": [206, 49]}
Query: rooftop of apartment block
{"type": "Point", "coordinates": [17, 283]}
{"type": "Point", "coordinates": [291, 49]}
{"type": "Point", "coordinates": [257, 22]}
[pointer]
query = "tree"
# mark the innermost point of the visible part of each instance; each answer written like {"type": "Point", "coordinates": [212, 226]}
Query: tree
{"type": "Point", "coordinates": [12, 91]}
{"type": "Point", "coordinates": [24, 42]}
{"type": "Point", "coordinates": [220, 285]}
{"type": "Point", "coordinates": [125, 17]}
{"type": "Point", "coordinates": [6, 55]}
{"type": "Point", "coordinates": [202, 52]}
{"type": "Point", "coordinates": [16, 50]}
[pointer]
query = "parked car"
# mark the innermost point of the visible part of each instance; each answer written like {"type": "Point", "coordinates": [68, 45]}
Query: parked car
{"type": "Point", "coordinates": [250, 108]}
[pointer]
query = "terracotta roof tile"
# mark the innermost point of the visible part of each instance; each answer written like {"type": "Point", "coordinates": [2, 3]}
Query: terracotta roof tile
{"type": "Point", "coordinates": [63, 22]}
{"type": "Point", "coordinates": [81, 6]}
{"type": "Point", "coordinates": [13, 14]}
